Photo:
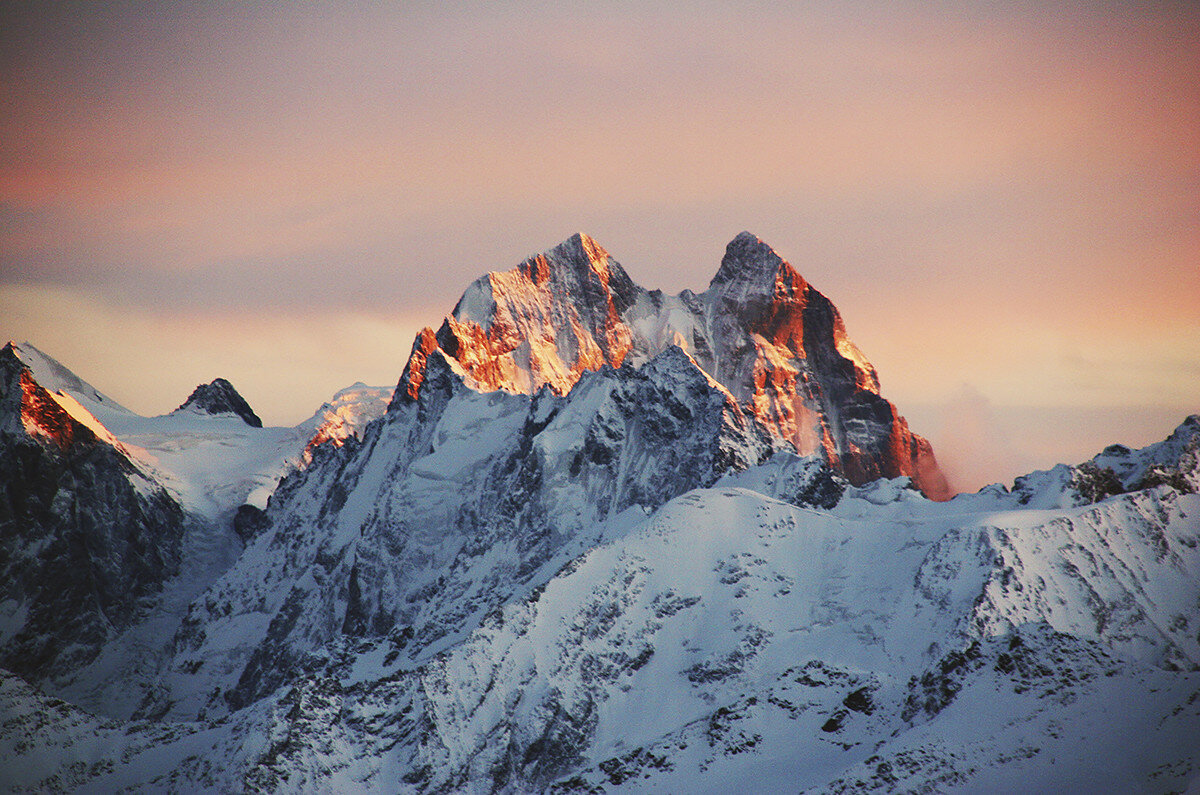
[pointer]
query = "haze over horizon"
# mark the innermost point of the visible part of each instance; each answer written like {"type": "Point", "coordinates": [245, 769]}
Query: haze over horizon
{"type": "Point", "coordinates": [1002, 203]}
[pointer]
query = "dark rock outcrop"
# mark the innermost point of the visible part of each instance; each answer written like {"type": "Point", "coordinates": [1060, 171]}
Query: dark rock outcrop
{"type": "Point", "coordinates": [84, 535]}
{"type": "Point", "coordinates": [219, 397]}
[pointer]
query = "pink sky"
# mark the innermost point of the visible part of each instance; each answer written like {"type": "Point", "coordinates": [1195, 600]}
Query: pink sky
{"type": "Point", "coordinates": [1004, 204]}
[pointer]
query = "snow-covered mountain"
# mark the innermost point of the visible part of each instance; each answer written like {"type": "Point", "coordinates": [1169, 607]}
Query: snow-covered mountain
{"type": "Point", "coordinates": [583, 550]}
{"type": "Point", "coordinates": [346, 415]}
{"type": "Point", "coordinates": [85, 533]}
{"type": "Point", "coordinates": [113, 522]}
{"type": "Point", "coordinates": [760, 330]}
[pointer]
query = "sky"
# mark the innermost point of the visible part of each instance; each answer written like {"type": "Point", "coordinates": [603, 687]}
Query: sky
{"type": "Point", "coordinates": [1003, 200]}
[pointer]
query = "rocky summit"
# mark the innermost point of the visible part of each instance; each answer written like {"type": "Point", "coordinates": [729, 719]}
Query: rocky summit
{"type": "Point", "coordinates": [598, 539]}
{"type": "Point", "coordinates": [775, 343]}
{"type": "Point", "coordinates": [219, 397]}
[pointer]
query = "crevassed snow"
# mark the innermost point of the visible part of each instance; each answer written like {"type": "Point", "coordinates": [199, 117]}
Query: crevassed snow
{"type": "Point", "coordinates": [213, 463]}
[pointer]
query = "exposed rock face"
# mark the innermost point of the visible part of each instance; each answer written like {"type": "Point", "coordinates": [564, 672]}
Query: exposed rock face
{"type": "Point", "coordinates": [760, 330]}
{"type": "Point", "coordinates": [456, 501]}
{"type": "Point", "coordinates": [781, 346]}
{"type": "Point", "coordinates": [220, 397]}
{"type": "Point", "coordinates": [545, 322]}
{"type": "Point", "coordinates": [84, 534]}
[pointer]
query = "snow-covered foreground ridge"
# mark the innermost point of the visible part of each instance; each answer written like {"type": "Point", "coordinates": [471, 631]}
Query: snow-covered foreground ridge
{"type": "Point", "coordinates": [735, 639]}
{"type": "Point", "coordinates": [628, 579]}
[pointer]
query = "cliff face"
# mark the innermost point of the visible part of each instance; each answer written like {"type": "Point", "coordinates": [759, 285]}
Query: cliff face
{"type": "Point", "coordinates": [84, 534]}
{"type": "Point", "coordinates": [781, 346]}
{"type": "Point", "coordinates": [760, 330]}
{"type": "Point", "coordinates": [544, 323]}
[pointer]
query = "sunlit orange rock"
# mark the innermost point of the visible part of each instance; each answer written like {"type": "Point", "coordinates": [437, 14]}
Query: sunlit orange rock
{"type": "Point", "coordinates": [760, 329]}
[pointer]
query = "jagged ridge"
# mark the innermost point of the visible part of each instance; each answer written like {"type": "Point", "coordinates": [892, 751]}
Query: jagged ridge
{"type": "Point", "coordinates": [773, 341]}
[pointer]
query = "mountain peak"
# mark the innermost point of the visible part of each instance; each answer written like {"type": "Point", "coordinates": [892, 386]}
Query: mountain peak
{"type": "Point", "coordinates": [45, 410]}
{"type": "Point", "coordinates": [750, 261]}
{"type": "Point", "coordinates": [219, 397]}
{"type": "Point", "coordinates": [760, 331]}
{"type": "Point", "coordinates": [578, 263]}
{"type": "Point", "coordinates": [56, 377]}
{"type": "Point", "coordinates": [578, 268]}
{"type": "Point", "coordinates": [545, 321]}
{"type": "Point", "coordinates": [582, 243]}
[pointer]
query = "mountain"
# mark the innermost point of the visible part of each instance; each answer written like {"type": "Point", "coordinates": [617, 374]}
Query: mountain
{"type": "Point", "coordinates": [735, 639]}
{"type": "Point", "coordinates": [86, 533]}
{"type": "Point", "coordinates": [454, 502]}
{"type": "Point", "coordinates": [55, 378]}
{"type": "Point", "coordinates": [346, 415]}
{"type": "Point", "coordinates": [760, 330]}
{"type": "Point", "coordinates": [219, 397]}
{"type": "Point", "coordinates": [110, 528]}
{"type": "Point", "coordinates": [581, 549]}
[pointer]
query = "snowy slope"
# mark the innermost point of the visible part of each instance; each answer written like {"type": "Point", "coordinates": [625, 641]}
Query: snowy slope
{"type": "Point", "coordinates": [147, 501]}
{"type": "Point", "coordinates": [55, 378]}
{"type": "Point", "coordinates": [732, 640]}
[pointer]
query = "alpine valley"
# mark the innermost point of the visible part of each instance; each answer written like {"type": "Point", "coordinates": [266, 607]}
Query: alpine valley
{"type": "Point", "coordinates": [596, 539]}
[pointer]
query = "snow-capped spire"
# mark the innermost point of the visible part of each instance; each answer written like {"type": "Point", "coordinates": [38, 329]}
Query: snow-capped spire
{"type": "Point", "coordinates": [581, 248]}
{"type": "Point", "coordinates": [552, 317]}
{"type": "Point", "coordinates": [578, 268]}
